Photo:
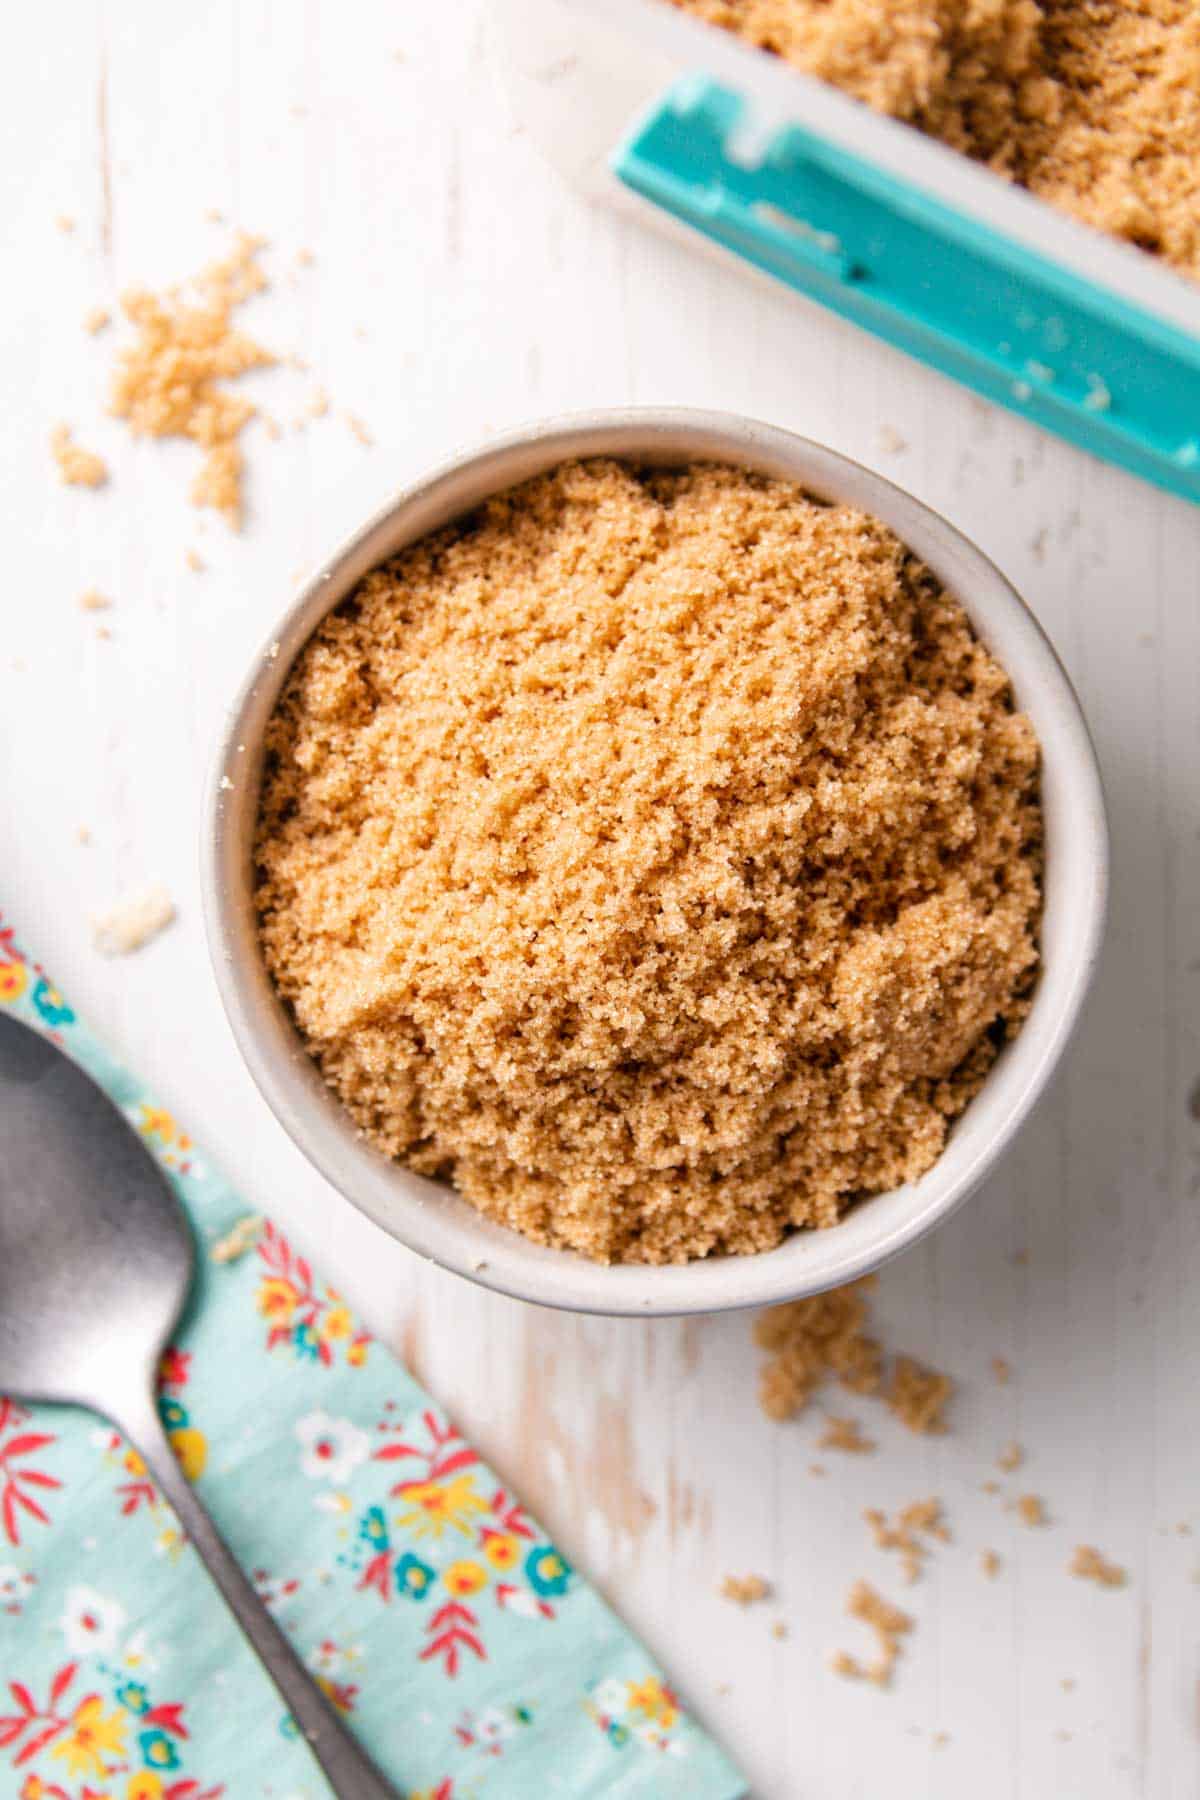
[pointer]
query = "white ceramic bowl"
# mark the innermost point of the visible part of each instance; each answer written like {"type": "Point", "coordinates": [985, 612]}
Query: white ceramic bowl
{"type": "Point", "coordinates": [428, 1216]}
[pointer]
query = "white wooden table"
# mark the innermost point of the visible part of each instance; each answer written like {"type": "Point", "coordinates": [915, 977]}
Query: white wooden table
{"type": "Point", "coordinates": [457, 289]}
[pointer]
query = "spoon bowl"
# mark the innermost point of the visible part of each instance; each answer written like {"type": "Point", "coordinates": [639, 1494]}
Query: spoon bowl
{"type": "Point", "coordinates": [90, 1232]}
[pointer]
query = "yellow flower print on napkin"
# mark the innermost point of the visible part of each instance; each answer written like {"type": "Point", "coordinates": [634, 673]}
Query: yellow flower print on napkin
{"type": "Point", "coordinates": [13, 982]}
{"type": "Point", "coordinates": [654, 1700]}
{"type": "Point", "coordinates": [465, 1577]}
{"type": "Point", "coordinates": [145, 1785]}
{"type": "Point", "coordinates": [277, 1299]}
{"type": "Point", "coordinates": [434, 1505]}
{"type": "Point", "coordinates": [93, 1736]}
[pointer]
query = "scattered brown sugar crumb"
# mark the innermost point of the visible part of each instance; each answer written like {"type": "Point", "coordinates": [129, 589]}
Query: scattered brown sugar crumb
{"type": "Point", "coordinates": [305, 258]}
{"type": "Point", "coordinates": [1030, 1509]}
{"type": "Point", "coordinates": [825, 1336]}
{"type": "Point", "coordinates": [133, 922]}
{"type": "Point", "coordinates": [817, 1469]}
{"type": "Point", "coordinates": [914, 1526]}
{"type": "Point", "coordinates": [194, 561]}
{"type": "Point", "coordinates": [845, 1435]}
{"type": "Point", "coordinates": [655, 854]}
{"type": "Point", "coordinates": [1094, 105]}
{"type": "Point", "coordinates": [359, 429]}
{"type": "Point", "coordinates": [1067, 1684]}
{"type": "Point", "coordinates": [939, 1740]}
{"type": "Point", "coordinates": [91, 601]}
{"type": "Point", "coordinates": [745, 1590]}
{"type": "Point", "coordinates": [1001, 1370]}
{"type": "Point", "coordinates": [104, 632]}
{"type": "Point", "coordinates": [1021, 1258]}
{"type": "Point", "coordinates": [812, 1339]}
{"type": "Point", "coordinates": [919, 1396]}
{"type": "Point", "coordinates": [65, 222]}
{"type": "Point", "coordinates": [76, 467]}
{"type": "Point", "coordinates": [779, 1630]}
{"type": "Point", "coordinates": [1010, 1458]}
{"type": "Point", "coordinates": [318, 405]}
{"type": "Point", "coordinates": [96, 319]}
{"type": "Point", "coordinates": [989, 1562]}
{"type": "Point", "coordinates": [169, 381]}
{"type": "Point", "coordinates": [889, 1625]}
{"type": "Point", "coordinates": [990, 1487]}
{"type": "Point", "coordinates": [1089, 1565]}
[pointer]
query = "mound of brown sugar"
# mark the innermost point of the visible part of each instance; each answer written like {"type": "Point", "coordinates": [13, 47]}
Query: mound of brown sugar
{"type": "Point", "coordinates": [655, 855]}
{"type": "Point", "coordinates": [1094, 105]}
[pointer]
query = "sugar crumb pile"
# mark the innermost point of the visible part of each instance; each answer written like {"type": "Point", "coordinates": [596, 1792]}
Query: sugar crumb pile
{"type": "Point", "coordinates": [825, 1337]}
{"type": "Point", "coordinates": [1093, 105]}
{"type": "Point", "coordinates": [1088, 1564]}
{"type": "Point", "coordinates": [890, 1627]}
{"type": "Point", "coordinates": [845, 1435]}
{"type": "Point", "coordinates": [655, 855]}
{"type": "Point", "coordinates": [76, 466]}
{"type": "Point", "coordinates": [914, 1528]}
{"type": "Point", "coordinates": [169, 381]}
{"type": "Point", "coordinates": [745, 1590]}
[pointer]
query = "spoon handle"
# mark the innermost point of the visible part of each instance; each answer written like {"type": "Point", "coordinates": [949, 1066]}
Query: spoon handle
{"type": "Point", "coordinates": [349, 1771]}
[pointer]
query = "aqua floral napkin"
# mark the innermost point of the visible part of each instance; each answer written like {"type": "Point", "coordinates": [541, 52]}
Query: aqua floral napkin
{"type": "Point", "coordinates": [461, 1645]}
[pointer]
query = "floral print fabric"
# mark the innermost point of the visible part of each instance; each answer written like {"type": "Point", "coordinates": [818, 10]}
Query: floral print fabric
{"type": "Point", "coordinates": [435, 1614]}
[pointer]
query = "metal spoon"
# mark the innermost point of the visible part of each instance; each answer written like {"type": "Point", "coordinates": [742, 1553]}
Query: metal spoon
{"type": "Point", "coordinates": [96, 1261]}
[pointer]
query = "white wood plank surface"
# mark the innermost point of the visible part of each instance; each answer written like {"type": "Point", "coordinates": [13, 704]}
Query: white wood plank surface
{"type": "Point", "coordinates": [457, 289]}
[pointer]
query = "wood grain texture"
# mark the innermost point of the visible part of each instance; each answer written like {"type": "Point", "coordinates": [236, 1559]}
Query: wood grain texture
{"type": "Point", "coordinates": [457, 288]}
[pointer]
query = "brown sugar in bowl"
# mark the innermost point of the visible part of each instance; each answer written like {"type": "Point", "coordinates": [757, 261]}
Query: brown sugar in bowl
{"type": "Point", "coordinates": [428, 1215]}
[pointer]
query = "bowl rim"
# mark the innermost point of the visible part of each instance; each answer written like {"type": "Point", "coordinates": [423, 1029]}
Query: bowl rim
{"type": "Point", "coordinates": [427, 1216]}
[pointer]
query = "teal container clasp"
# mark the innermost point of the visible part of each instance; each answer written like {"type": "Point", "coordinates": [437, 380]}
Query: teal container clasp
{"type": "Point", "coordinates": [1006, 321]}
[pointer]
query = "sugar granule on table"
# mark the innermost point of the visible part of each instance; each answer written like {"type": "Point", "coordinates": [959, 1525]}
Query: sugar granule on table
{"type": "Point", "coordinates": [745, 1590]}
{"type": "Point", "coordinates": [95, 319]}
{"type": "Point", "coordinates": [915, 1525]}
{"type": "Point", "coordinates": [133, 922]}
{"type": "Point", "coordinates": [1088, 1564]}
{"type": "Point", "coordinates": [989, 1562]}
{"type": "Point", "coordinates": [93, 601]}
{"type": "Point", "coordinates": [845, 1435]}
{"type": "Point", "coordinates": [1010, 1458]}
{"type": "Point", "coordinates": [1030, 1510]}
{"type": "Point", "coordinates": [77, 467]}
{"type": "Point", "coordinates": [169, 381]}
{"type": "Point", "coordinates": [890, 1626]}
{"type": "Point", "coordinates": [919, 1395]}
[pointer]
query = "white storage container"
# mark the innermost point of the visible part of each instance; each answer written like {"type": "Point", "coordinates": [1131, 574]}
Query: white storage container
{"type": "Point", "coordinates": [698, 132]}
